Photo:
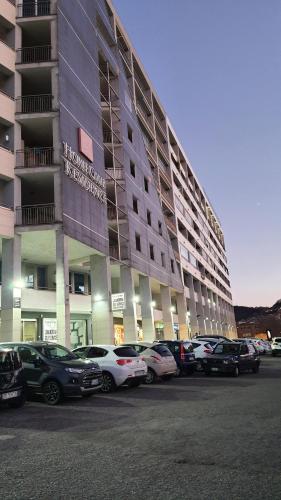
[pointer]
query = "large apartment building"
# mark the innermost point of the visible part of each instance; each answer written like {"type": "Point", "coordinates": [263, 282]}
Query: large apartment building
{"type": "Point", "coordinates": [106, 234]}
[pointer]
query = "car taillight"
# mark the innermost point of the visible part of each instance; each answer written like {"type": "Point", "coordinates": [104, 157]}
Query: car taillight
{"type": "Point", "coordinates": [122, 362]}
{"type": "Point", "coordinates": [208, 351]}
{"type": "Point", "coordinates": [182, 353]}
{"type": "Point", "coordinates": [156, 359]}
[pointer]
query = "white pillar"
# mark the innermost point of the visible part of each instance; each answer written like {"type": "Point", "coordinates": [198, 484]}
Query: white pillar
{"type": "Point", "coordinates": [182, 316]}
{"type": "Point", "coordinates": [62, 289]}
{"type": "Point", "coordinates": [11, 290]}
{"type": "Point", "coordinates": [193, 320]}
{"type": "Point", "coordinates": [168, 330]}
{"type": "Point", "coordinates": [146, 309]}
{"type": "Point", "coordinates": [129, 314]}
{"type": "Point", "coordinates": [207, 311]}
{"type": "Point", "coordinates": [200, 309]}
{"type": "Point", "coordinates": [102, 318]}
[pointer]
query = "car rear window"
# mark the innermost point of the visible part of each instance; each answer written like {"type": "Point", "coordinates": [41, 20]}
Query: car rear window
{"type": "Point", "coordinates": [126, 352]}
{"type": "Point", "coordinates": [188, 347]}
{"type": "Point", "coordinates": [162, 350]}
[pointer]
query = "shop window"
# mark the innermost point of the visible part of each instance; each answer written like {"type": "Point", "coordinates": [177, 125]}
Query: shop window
{"type": "Point", "coordinates": [135, 205]}
{"type": "Point", "coordinates": [138, 243]}
{"type": "Point", "coordinates": [133, 169]}
{"type": "Point", "coordinates": [148, 217]}
{"type": "Point", "coordinates": [151, 251]}
{"type": "Point", "coordinates": [79, 285]}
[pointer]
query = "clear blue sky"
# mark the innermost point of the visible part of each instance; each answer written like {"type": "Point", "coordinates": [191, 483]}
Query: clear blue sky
{"type": "Point", "coordinates": [215, 65]}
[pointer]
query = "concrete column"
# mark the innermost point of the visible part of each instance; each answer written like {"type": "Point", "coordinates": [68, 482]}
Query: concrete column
{"type": "Point", "coordinates": [102, 318]}
{"type": "Point", "coordinates": [200, 309]}
{"type": "Point", "coordinates": [182, 316]}
{"type": "Point", "coordinates": [146, 309]}
{"type": "Point", "coordinates": [129, 314]}
{"type": "Point", "coordinates": [218, 315]}
{"type": "Point", "coordinates": [11, 290]}
{"type": "Point", "coordinates": [193, 320]}
{"type": "Point", "coordinates": [207, 311]}
{"type": "Point", "coordinates": [168, 330]}
{"type": "Point", "coordinates": [62, 289]}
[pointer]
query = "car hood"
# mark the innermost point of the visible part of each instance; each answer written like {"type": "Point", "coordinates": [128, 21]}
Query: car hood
{"type": "Point", "coordinates": [77, 363]}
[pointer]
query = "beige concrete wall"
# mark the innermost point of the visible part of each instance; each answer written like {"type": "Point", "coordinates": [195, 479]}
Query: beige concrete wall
{"type": "Point", "coordinates": [7, 56]}
{"type": "Point", "coordinates": [6, 163]}
{"type": "Point", "coordinates": [8, 11]}
{"type": "Point", "coordinates": [6, 222]}
{"type": "Point", "coordinates": [7, 108]}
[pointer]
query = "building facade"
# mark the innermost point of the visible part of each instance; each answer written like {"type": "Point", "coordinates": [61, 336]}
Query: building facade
{"type": "Point", "coordinates": [106, 234]}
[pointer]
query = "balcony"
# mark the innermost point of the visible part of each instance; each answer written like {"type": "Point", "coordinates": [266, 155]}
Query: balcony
{"type": "Point", "coordinates": [34, 104]}
{"type": "Point", "coordinates": [35, 157]}
{"type": "Point", "coordinates": [35, 215]}
{"type": "Point", "coordinates": [171, 225]}
{"type": "Point", "coordinates": [7, 108]}
{"type": "Point", "coordinates": [7, 56]}
{"type": "Point", "coordinates": [168, 198]}
{"type": "Point", "coordinates": [6, 222]}
{"type": "Point", "coordinates": [37, 54]}
{"type": "Point", "coordinates": [6, 163]}
{"type": "Point", "coordinates": [35, 9]}
{"type": "Point", "coordinates": [8, 11]}
{"type": "Point", "coordinates": [114, 174]}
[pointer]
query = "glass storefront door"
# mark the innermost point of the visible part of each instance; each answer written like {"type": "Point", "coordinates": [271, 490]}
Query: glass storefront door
{"type": "Point", "coordinates": [78, 331]}
{"type": "Point", "coordinates": [29, 330]}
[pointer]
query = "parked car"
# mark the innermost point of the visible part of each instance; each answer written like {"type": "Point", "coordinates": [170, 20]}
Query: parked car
{"type": "Point", "coordinates": [258, 345]}
{"type": "Point", "coordinates": [55, 372]}
{"type": "Point", "coordinates": [183, 353]}
{"type": "Point", "coordinates": [159, 359]}
{"type": "Point", "coordinates": [233, 358]}
{"type": "Point", "coordinates": [267, 346]}
{"type": "Point", "coordinates": [246, 341]}
{"type": "Point", "coordinates": [12, 384]}
{"type": "Point", "coordinates": [201, 350]}
{"type": "Point", "coordinates": [276, 346]}
{"type": "Point", "coordinates": [119, 364]}
{"type": "Point", "coordinates": [219, 338]}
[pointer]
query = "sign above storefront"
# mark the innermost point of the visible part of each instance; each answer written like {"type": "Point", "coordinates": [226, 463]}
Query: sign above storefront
{"type": "Point", "coordinates": [83, 172]}
{"type": "Point", "coordinates": [118, 301]}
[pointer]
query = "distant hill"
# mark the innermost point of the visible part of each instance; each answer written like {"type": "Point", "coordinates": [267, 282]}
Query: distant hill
{"type": "Point", "coordinates": [259, 319]}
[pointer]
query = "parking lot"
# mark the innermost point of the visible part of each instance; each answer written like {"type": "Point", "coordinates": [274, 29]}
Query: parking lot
{"type": "Point", "coordinates": [193, 437]}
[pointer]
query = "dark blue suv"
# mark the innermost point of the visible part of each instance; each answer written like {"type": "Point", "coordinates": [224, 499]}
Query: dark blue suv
{"type": "Point", "coordinates": [182, 351]}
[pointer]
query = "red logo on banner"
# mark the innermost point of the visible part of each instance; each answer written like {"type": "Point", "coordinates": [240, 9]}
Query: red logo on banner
{"type": "Point", "coordinates": [85, 144]}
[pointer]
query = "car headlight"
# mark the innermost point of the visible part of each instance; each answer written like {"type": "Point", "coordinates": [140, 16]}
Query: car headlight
{"type": "Point", "coordinates": [225, 362]}
{"type": "Point", "coordinates": [74, 370]}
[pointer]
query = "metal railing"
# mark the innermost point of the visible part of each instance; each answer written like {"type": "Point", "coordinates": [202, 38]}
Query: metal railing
{"type": "Point", "coordinates": [34, 157]}
{"type": "Point", "coordinates": [167, 197]}
{"type": "Point", "coordinates": [35, 8]}
{"type": "Point", "coordinates": [36, 54]}
{"type": "Point", "coordinates": [34, 103]}
{"type": "Point", "coordinates": [33, 215]}
{"type": "Point", "coordinates": [116, 174]}
{"type": "Point", "coordinates": [171, 224]}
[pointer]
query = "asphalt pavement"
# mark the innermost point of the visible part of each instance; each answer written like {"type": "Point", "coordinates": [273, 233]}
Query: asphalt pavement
{"type": "Point", "coordinates": [196, 437]}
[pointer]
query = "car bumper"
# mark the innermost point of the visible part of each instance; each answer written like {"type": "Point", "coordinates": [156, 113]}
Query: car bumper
{"type": "Point", "coordinates": [162, 370]}
{"type": "Point", "coordinates": [140, 378]}
{"type": "Point", "coordinates": [78, 390]}
{"type": "Point", "coordinates": [219, 369]}
{"type": "Point", "coordinates": [3, 394]}
{"type": "Point", "coordinates": [188, 367]}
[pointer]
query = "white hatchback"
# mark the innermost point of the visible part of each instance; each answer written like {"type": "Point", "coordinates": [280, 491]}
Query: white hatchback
{"type": "Point", "coordinates": [119, 364]}
{"type": "Point", "coordinates": [201, 349]}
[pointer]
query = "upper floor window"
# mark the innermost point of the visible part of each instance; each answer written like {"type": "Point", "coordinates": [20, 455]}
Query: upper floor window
{"type": "Point", "coordinates": [135, 205]}
{"type": "Point", "coordinates": [130, 133]}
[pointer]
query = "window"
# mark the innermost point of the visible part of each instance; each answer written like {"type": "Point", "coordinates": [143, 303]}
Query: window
{"type": "Point", "coordinates": [135, 205]}
{"type": "Point", "coordinates": [163, 259]}
{"type": "Point", "coordinates": [130, 133]}
{"type": "Point", "coordinates": [126, 352]}
{"type": "Point", "coordinates": [41, 277]}
{"type": "Point", "coordinates": [29, 281]}
{"type": "Point", "coordinates": [162, 350]}
{"type": "Point", "coordinates": [172, 266]}
{"type": "Point", "coordinates": [133, 169]}
{"type": "Point", "coordinates": [148, 217]}
{"type": "Point", "coordinates": [160, 228]}
{"type": "Point", "coordinates": [97, 352]}
{"type": "Point", "coordinates": [151, 251]}
{"type": "Point", "coordinates": [79, 285]}
{"type": "Point", "coordinates": [138, 243]}
{"type": "Point", "coordinates": [28, 355]}
{"type": "Point", "coordinates": [145, 181]}
{"type": "Point", "coordinates": [81, 352]}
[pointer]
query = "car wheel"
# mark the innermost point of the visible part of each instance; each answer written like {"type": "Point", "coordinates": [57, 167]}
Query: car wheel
{"type": "Point", "coordinates": [52, 393]}
{"type": "Point", "coordinates": [17, 402]}
{"type": "Point", "coordinates": [150, 377]}
{"type": "Point", "coordinates": [256, 368]}
{"type": "Point", "coordinates": [108, 383]}
{"type": "Point", "coordinates": [236, 372]}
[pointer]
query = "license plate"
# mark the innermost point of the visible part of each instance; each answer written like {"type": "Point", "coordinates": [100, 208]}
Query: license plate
{"type": "Point", "coordinates": [94, 382]}
{"type": "Point", "coordinates": [214, 369]}
{"type": "Point", "coordinates": [10, 395]}
{"type": "Point", "coordinates": [139, 372]}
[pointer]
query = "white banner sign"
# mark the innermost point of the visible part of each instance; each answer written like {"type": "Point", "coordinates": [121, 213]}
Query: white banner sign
{"type": "Point", "coordinates": [118, 301]}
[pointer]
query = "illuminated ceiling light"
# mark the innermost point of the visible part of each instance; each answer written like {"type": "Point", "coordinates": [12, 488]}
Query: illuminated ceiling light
{"type": "Point", "coordinates": [172, 309]}
{"type": "Point", "coordinates": [18, 284]}
{"type": "Point", "coordinates": [153, 303]}
{"type": "Point", "coordinates": [136, 299]}
{"type": "Point", "coordinates": [98, 297]}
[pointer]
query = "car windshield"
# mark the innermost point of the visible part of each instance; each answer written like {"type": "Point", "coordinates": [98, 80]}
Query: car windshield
{"type": "Point", "coordinates": [9, 361]}
{"type": "Point", "coordinates": [56, 352]}
{"type": "Point", "coordinates": [188, 347]}
{"type": "Point", "coordinates": [227, 349]}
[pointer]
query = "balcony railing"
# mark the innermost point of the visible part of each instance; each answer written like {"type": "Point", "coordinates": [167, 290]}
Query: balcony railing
{"type": "Point", "coordinates": [116, 174]}
{"type": "Point", "coordinates": [167, 197]}
{"type": "Point", "coordinates": [34, 157]}
{"type": "Point", "coordinates": [37, 54]}
{"type": "Point", "coordinates": [33, 215]}
{"type": "Point", "coordinates": [35, 9]}
{"type": "Point", "coordinates": [34, 103]}
{"type": "Point", "coordinates": [171, 224]}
